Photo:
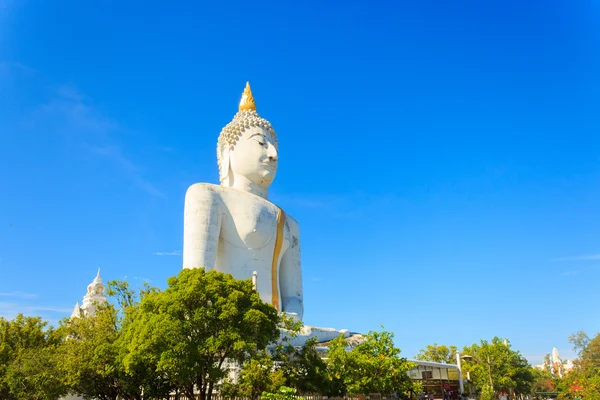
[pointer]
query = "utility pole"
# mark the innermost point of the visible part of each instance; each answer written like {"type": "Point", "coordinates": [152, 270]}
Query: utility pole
{"type": "Point", "coordinates": [490, 372]}
{"type": "Point", "coordinates": [460, 375]}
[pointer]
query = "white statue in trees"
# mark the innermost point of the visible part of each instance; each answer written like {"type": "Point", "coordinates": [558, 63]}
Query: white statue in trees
{"type": "Point", "coordinates": [233, 227]}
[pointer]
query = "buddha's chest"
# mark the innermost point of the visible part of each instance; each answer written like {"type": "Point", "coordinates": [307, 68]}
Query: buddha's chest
{"type": "Point", "coordinates": [251, 224]}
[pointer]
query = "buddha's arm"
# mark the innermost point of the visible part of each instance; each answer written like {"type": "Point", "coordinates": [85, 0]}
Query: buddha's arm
{"type": "Point", "coordinates": [290, 274]}
{"type": "Point", "coordinates": [201, 226]}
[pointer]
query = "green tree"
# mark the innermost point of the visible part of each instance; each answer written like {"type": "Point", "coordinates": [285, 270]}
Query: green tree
{"type": "Point", "coordinates": [200, 322]}
{"type": "Point", "coordinates": [496, 365]}
{"type": "Point", "coordinates": [584, 381]}
{"type": "Point", "coordinates": [543, 382]}
{"type": "Point", "coordinates": [258, 375]}
{"type": "Point", "coordinates": [94, 349]}
{"type": "Point", "coordinates": [28, 368]}
{"type": "Point", "coordinates": [579, 340]}
{"type": "Point", "coordinates": [438, 353]}
{"type": "Point", "coordinates": [374, 366]}
{"type": "Point", "coordinates": [283, 393]}
{"type": "Point", "coordinates": [590, 355]}
{"type": "Point", "coordinates": [486, 393]}
{"type": "Point", "coordinates": [303, 368]}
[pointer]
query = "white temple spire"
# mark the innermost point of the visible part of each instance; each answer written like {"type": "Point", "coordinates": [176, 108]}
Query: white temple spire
{"type": "Point", "coordinates": [95, 295]}
{"type": "Point", "coordinates": [555, 355]}
{"type": "Point", "coordinates": [76, 311]}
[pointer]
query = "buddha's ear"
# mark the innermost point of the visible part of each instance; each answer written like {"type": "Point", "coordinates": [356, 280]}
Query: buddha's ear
{"type": "Point", "coordinates": [224, 156]}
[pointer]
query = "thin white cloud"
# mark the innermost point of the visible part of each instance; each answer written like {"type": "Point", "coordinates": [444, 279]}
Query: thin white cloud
{"type": "Point", "coordinates": [11, 309]}
{"type": "Point", "coordinates": [127, 166]}
{"type": "Point", "coordinates": [51, 309]}
{"type": "Point", "coordinates": [588, 257]}
{"type": "Point", "coordinates": [170, 253]}
{"type": "Point", "coordinates": [569, 273]}
{"type": "Point", "coordinates": [354, 205]}
{"type": "Point", "coordinates": [116, 155]}
{"type": "Point", "coordinates": [70, 92]}
{"type": "Point", "coordinates": [6, 66]}
{"type": "Point", "coordinates": [71, 114]}
{"type": "Point", "coordinates": [20, 295]}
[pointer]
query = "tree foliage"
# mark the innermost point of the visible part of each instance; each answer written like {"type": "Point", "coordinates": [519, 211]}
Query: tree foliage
{"type": "Point", "coordinates": [584, 381]}
{"type": "Point", "coordinates": [283, 393]}
{"type": "Point", "coordinates": [187, 338]}
{"type": "Point", "coordinates": [303, 368]}
{"type": "Point", "coordinates": [495, 365]}
{"type": "Point", "coordinates": [543, 381]}
{"type": "Point", "coordinates": [590, 355]}
{"type": "Point", "coordinates": [28, 369]}
{"type": "Point", "coordinates": [201, 320]}
{"type": "Point", "coordinates": [258, 375]}
{"type": "Point", "coordinates": [438, 353]}
{"type": "Point", "coordinates": [374, 366]}
{"type": "Point", "coordinates": [579, 340]}
{"type": "Point", "coordinates": [94, 349]}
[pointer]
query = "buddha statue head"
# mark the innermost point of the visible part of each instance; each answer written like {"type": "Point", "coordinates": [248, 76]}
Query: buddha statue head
{"type": "Point", "coordinates": [247, 149]}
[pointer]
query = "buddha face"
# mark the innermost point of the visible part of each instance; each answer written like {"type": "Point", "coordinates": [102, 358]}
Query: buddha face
{"type": "Point", "coordinates": [255, 156]}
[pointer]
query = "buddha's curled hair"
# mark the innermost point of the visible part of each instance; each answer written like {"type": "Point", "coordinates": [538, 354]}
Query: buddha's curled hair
{"type": "Point", "coordinates": [231, 133]}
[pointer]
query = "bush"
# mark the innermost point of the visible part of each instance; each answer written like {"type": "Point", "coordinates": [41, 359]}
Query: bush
{"type": "Point", "coordinates": [283, 393]}
{"type": "Point", "coordinates": [487, 393]}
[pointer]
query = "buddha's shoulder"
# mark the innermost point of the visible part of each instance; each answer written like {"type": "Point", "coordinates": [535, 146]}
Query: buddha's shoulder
{"type": "Point", "coordinates": [291, 223]}
{"type": "Point", "coordinates": [223, 194]}
{"type": "Point", "coordinates": [204, 191]}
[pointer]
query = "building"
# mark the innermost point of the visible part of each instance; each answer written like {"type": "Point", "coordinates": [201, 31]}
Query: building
{"type": "Point", "coordinates": [94, 295]}
{"type": "Point", "coordinates": [555, 365]}
{"type": "Point", "coordinates": [436, 378]}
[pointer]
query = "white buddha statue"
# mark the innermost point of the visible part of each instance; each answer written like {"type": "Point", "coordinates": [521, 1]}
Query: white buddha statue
{"type": "Point", "coordinates": [234, 228]}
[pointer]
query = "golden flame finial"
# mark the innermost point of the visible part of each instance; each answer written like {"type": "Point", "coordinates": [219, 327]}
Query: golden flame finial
{"type": "Point", "coordinates": [247, 101]}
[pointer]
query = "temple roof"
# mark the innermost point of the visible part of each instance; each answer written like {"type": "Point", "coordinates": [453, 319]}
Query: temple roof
{"type": "Point", "coordinates": [76, 311]}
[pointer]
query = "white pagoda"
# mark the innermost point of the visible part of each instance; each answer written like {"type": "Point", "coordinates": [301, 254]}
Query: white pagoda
{"type": "Point", "coordinates": [95, 295]}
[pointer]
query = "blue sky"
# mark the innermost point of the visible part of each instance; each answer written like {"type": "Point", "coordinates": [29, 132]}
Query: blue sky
{"type": "Point", "coordinates": [442, 159]}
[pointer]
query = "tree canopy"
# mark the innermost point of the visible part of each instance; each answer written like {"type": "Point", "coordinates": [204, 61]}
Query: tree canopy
{"type": "Point", "coordinates": [374, 366]}
{"type": "Point", "coordinates": [496, 366]}
{"type": "Point", "coordinates": [584, 381]}
{"type": "Point", "coordinates": [438, 353]}
{"type": "Point", "coordinates": [303, 367]}
{"type": "Point", "coordinates": [202, 321]}
{"type": "Point", "coordinates": [94, 348]}
{"type": "Point", "coordinates": [188, 338]}
{"type": "Point", "coordinates": [28, 368]}
{"type": "Point", "coordinates": [257, 375]}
